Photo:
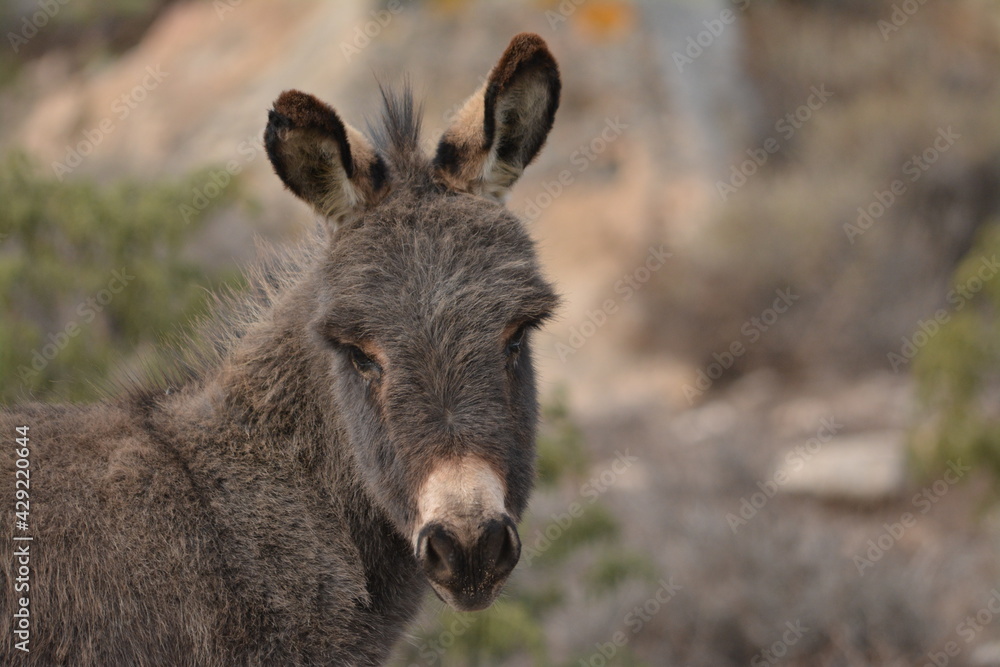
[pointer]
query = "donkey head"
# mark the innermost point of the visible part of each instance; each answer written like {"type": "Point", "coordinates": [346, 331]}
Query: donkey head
{"type": "Point", "coordinates": [424, 303]}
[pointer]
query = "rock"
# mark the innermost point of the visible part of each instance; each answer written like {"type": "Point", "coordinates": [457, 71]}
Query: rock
{"type": "Point", "coordinates": [866, 467]}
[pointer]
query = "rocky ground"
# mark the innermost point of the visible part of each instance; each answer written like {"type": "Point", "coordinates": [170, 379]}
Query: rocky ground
{"type": "Point", "coordinates": [878, 566]}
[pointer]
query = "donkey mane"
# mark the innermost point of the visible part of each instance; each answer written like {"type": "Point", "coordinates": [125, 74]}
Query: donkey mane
{"type": "Point", "coordinates": [187, 357]}
{"type": "Point", "coordinates": [396, 134]}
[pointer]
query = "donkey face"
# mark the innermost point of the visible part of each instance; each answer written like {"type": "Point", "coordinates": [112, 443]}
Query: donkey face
{"type": "Point", "coordinates": [426, 298]}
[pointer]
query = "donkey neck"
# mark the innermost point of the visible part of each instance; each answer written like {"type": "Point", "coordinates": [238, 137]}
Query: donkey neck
{"type": "Point", "coordinates": [274, 389]}
{"type": "Point", "coordinates": [268, 379]}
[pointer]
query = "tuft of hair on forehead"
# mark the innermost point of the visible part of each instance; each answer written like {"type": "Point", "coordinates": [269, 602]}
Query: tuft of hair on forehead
{"type": "Point", "coordinates": [396, 133]}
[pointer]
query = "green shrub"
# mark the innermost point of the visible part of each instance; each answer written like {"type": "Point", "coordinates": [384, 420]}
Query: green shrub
{"type": "Point", "coordinates": [596, 524]}
{"type": "Point", "coordinates": [560, 445]}
{"type": "Point", "coordinates": [958, 369]}
{"type": "Point", "coordinates": [89, 275]}
{"type": "Point", "coordinates": [614, 568]}
{"type": "Point", "coordinates": [485, 638]}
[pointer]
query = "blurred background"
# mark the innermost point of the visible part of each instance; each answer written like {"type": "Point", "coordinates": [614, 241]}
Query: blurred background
{"type": "Point", "coordinates": [771, 401]}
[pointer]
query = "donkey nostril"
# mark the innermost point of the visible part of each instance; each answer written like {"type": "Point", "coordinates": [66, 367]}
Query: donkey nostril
{"type": "Point", "coordinates": [470, 567]}
{"type": "Point", "coordinates": [501, 547]}
{"type": "Point", "coordinates": [440, 554]}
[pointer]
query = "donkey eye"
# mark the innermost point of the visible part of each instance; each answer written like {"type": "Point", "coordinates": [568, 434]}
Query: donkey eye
{"type": "Point", "coordinates": [516, 341]}
{"type": "Point", "coordinates": [362, 362]}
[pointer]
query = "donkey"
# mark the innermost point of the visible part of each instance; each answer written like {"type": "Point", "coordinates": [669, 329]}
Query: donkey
{"type": "Point", "coordinates": [362, 428]}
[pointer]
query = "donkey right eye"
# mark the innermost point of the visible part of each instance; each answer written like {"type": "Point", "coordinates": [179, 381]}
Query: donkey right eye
{"type": "Point", "coordinates": [364, 364]}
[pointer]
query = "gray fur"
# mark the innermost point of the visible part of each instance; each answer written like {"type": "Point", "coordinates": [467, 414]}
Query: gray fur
{"type": "Point", "coordinates": [255, 507]}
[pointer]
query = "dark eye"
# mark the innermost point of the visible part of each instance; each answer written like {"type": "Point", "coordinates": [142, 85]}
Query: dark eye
{"type": "Point", "coordinates": [516, 342]}
{"type": "Point", "coordinates": [363, 363]}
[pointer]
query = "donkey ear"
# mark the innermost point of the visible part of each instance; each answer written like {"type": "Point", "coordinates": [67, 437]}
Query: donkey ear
{"type": "Point", "coordinates": [325, 162]}
{"type": "Point", "coordinates": [501, 128]}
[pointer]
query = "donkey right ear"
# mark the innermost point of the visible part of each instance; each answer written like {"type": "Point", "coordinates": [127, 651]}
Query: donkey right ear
{"type": "Point", "coordinates": [325, 162]}
{"type": "Point", "coordinates": [501, 128]}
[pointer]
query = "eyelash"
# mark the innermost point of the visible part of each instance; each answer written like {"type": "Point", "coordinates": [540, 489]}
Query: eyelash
{"type": "Point", "coordinates": [516, 342]}
{"type": "Point", "coordinates": [365, 365]}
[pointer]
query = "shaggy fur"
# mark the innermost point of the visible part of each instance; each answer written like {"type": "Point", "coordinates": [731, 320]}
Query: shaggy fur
{"type": "Point", "coordinates": [256, 508]}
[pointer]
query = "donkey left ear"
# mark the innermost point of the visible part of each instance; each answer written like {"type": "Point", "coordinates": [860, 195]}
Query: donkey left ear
{"type": "Point", "coordinates": [501, 128]}
{"type": "Point", "coordinates": [325, 162]}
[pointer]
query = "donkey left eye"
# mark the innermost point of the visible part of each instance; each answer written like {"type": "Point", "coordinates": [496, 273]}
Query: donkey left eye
{"type": "Point", "coordinates": [516, 342]}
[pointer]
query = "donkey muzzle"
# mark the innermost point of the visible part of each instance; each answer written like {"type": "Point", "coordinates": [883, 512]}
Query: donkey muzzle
{"type": "Point", "coordinates": [467, 569]}
{"type": "Point", "coordinates": [465, 540]}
